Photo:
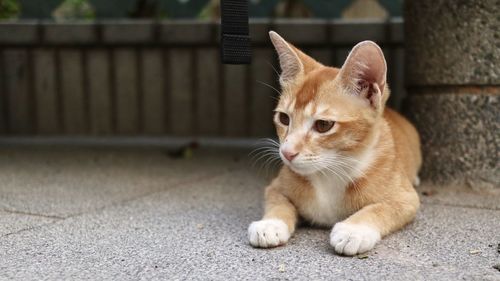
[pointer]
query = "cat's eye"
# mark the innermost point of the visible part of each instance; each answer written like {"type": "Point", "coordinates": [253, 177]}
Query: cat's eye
{"type": "Point", "coordinates": [323, 126]}
{"type": "Point", "coordinates": [284, 119]}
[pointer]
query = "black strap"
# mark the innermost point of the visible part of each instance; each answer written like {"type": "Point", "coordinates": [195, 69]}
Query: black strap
{"type": "Point", "coordinates": [235, 38]}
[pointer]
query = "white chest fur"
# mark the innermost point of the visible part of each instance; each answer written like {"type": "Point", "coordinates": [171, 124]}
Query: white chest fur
{"type": "Point", "coordinates": [327, 205]}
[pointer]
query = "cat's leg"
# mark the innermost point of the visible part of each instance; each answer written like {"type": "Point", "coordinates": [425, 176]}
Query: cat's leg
{"type": "Point", "coordinates": [361, 231]}
{"type": "Point", "coordinates": [278, 223]}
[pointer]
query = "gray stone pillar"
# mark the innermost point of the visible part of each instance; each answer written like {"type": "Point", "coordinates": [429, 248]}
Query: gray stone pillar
{"type": "Point", "coordinates": [453, 80]}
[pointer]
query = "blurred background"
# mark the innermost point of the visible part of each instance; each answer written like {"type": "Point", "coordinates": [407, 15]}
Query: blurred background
{"type": "Point", "coordinates": [148, 73]}
{"type": "Point", "coordinates": [201, 9]}
{"type": "Point", "coordinates": [151, 68]}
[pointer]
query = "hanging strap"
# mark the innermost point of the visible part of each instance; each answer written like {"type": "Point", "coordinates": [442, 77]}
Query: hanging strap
{"type": "Point", "coordinates": [235, 38]}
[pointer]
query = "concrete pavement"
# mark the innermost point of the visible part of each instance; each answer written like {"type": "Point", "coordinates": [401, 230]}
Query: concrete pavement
{"type": "Point", "coordinates": [100, 214]}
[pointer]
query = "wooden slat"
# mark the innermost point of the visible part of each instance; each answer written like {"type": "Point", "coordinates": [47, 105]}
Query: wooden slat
{"type": "Point", "coordinates": [388, 54]}
{"type": "Point", "coordinates": [17, 91]}
{"type": "Point", "coordinates": [3, 97]}
{"type": "Point", "coordinates": [396, 77]}
{"type": "Point", "coordinates": [398, 68]}
{"type": "Point", "coordinates": [44, 63]}
{"type": "Point", "coordinates": [99, 81]}
{"type": "Point", "coordinates": [153, 92]}
{"type": "Point", "coordinates": [340, 56]}
{"type": "Point", "coordinates": [127, 97]}
{"type": "Point", "coordinates": [181, 115]}
{"type": "Point", "coordinates": [208, 92]}
{"type": "Point", "coordinates": [303, 33]}
{"type": "Point", "coordinates": [72, 94]}
{"type": "Point", "coordinates": [323, 55]}
{"type": "Point", "coordinates": [263, 96]}
{"type": "Point", "coordinates": [235, 100]}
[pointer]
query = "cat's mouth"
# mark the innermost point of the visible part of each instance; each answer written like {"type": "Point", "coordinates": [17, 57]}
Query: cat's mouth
{"type": "Point", "coordinates": [301, 167]}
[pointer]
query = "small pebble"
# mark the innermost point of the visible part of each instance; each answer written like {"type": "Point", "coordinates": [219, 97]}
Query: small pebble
{"type": "Point", "coordinates": [428, 192]}
{"type": "Point", "coordinates": [474, 252]}
{"type": "Point", "coordinates": [281, 268]}
{"type": "Point", "coordinates": [199, 226]}
{"type": "Point", "coordinates": [362, 257]}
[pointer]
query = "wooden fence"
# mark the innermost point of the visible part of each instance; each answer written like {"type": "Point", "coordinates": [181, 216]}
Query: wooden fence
{"type": "Point", "coordinates": [133, 78]}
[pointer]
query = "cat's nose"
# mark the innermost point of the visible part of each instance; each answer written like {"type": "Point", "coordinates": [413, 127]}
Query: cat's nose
{"type": "Point", "coordinates": [289, 155]}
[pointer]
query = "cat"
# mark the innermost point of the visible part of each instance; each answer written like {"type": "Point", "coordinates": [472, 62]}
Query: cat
{"type": "Point", "coordinates": [350, 162]}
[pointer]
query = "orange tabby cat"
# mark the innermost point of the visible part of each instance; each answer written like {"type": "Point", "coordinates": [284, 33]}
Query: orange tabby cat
{"type": "Point", "coordinates": [349, 161]}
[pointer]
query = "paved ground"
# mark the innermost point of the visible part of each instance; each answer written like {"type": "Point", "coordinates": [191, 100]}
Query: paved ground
{"type": "Point", "coordinates": [140, 214]}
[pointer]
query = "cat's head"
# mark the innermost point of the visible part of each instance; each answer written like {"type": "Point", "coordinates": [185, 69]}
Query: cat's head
{"type": "Point", "coordinates": [326, 114]}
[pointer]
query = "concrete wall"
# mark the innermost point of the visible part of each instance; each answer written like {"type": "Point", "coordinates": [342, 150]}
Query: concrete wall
{"type": "Point", "coordinates": [453, 76]}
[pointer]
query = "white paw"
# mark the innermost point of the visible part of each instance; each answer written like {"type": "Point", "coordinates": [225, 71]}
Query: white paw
{"type": "Point", "coordinates": [351, 239]}
{"type": "Point", "coordinates": [268, 233]}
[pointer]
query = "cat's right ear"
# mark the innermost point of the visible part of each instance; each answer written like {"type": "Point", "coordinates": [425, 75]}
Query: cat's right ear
{"type": "Point", "coordinates": [290, 63]}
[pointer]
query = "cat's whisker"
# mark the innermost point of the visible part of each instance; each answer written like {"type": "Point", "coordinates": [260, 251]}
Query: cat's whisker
{"type": "Point", "coordinates": [269, 144]}
{"type": "Point", "coordinates": [327, 166]}
{"type": "Point", "coordinates": [345, 162]}
{"type": "Point", "coordinates": [322, 171]}
{"type": "Point", "coordinates": [272, 66]}
{"type": "Point", "coordinates": [266, 144]}
{"type": "Point", "coordinates": [337, 173]}
{"type": "Point", "coordinates": [272, 141]}
{"type": "Point", "coordinates": [263, 155]}
{"type": "Point", "coordinates": [345, 172]}
{"type": "Point", "coordinates": [267, 140]}
{"type": "Point", "coordinates": [275, 162]}
{"type": "Point", "coordinates": [267, 154]}
{"type": "Point", "coordinates": [271, 87]}
{"type": "Point", "coordinates": [272, 155]}
{"type": "Point", "coordinates": [259, 150]}
{"type": "Point", "coordinates": [272, 162]}
{"type": "Point", "coordinates": [347, 165]}
{"type": "Point", "coordinates": [343, 157]}
{"type": "Point", "coordinates": [338, 168]}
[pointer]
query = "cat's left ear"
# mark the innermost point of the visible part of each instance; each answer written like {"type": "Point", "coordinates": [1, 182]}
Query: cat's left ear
{"type": "Point", "coordinates": [364, 73]}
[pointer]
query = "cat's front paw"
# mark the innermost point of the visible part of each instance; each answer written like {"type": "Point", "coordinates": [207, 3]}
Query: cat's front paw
{"type": "Point", "coordinates": [268, 233]}
{"type": "Point", "coordinates": [351, 239]}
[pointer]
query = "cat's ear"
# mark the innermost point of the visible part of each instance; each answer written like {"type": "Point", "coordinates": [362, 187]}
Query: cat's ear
{"type": "Point", "coordinates": [364, 73]}
{"type": "Point", "coordinates": [293, 62]}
